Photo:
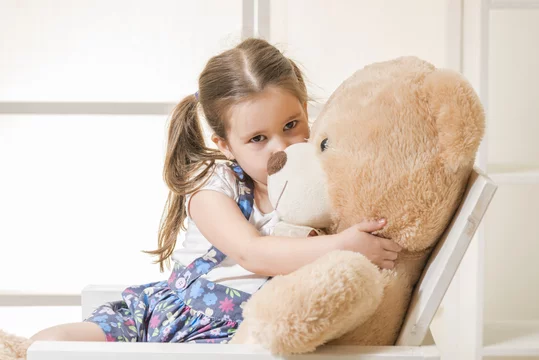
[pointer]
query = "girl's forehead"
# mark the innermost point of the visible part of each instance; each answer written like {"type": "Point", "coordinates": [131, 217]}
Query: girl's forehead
{"type": "Point", "coordinates": [270, 106]}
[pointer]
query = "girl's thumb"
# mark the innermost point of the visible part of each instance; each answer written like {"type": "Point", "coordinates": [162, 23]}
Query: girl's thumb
{"type": "Point", "coordinates": [372, 225]}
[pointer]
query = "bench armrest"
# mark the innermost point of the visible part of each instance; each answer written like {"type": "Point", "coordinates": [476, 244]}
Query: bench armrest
{"type": "Point", "coordinates": [94, 295]}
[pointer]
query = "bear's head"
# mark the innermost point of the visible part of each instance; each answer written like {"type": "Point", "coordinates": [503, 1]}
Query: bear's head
{"type": "Point", "coordinates": [396, 140]}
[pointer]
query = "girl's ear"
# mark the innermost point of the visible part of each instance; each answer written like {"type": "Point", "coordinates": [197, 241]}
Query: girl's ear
{"type": "Point", "coordinates": [222, 145]}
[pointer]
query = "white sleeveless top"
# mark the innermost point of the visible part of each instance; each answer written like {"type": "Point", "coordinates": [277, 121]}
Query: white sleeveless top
{"type": "Point", "coordinates": [194, 244]}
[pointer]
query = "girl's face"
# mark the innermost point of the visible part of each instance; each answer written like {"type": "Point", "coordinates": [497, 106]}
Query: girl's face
{"type": "Point", "coordinates": [270, 122]}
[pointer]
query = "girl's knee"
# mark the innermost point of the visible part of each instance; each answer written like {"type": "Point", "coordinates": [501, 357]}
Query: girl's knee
{"type": "Point", "coordinates": [55, 333]}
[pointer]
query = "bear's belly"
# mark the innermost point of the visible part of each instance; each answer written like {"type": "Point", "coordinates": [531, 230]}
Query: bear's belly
{"type": "Point", "coordinates": [383, 327]}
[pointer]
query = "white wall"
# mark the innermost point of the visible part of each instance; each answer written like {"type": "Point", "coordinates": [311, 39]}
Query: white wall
{"type": "Point", "coordinates": [512, 241]}
{"type": "Point", "coordinates": [333, 41]}
{"type": "Point", "coordinates": [81, 197]}
{"type": "Point", "coordinates": [121, 50]}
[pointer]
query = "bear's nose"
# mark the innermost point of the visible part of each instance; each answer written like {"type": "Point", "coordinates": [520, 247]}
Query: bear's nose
{"type": "Point", "coordinates": [276, 162]}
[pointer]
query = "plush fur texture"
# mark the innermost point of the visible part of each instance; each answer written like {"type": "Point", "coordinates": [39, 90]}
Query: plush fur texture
{"type": "Point", "coordinates": [291, 194]}
{"type": "Point", "coordinates": [13, 347]}
{"type": "Point", "coordinates": [402, 138]}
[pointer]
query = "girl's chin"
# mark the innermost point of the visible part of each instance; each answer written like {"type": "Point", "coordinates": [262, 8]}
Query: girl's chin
{"type": "Point", "coordinates": [261, 183]}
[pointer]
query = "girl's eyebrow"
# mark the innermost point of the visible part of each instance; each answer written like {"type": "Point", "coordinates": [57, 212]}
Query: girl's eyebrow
{"type": "Point", "coordinates": [290, 118]}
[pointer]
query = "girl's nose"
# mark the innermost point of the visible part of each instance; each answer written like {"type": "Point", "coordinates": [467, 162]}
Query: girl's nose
{"type": "Point", "coordinates": [281, 144]}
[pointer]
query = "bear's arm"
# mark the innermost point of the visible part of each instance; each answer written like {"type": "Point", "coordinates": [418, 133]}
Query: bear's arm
{"type": "Point", "coordinates": [319, 302]}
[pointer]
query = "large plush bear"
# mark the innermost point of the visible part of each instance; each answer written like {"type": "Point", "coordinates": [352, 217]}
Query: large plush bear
{"type": "Point", "coordinates": [396, 140]}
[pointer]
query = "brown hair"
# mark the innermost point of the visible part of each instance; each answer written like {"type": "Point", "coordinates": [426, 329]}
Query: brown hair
{"type": "Point", "coordinates": [228, 78]}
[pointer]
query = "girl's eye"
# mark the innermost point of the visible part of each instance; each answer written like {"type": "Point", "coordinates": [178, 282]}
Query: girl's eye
{"type": "Point", "coordinates": [291, 125]}
{"type": "Point", "coordinates": [257, 139]}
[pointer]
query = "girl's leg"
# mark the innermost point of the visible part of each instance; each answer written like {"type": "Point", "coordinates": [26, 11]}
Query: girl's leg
{"type": "Point", "coordinates": [83, 331]}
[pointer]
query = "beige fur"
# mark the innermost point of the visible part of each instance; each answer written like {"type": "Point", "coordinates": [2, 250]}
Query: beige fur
{"type": "Point", "coordinates": [13, 347]}
{"type": "Point", "coordinates": [402, 142]}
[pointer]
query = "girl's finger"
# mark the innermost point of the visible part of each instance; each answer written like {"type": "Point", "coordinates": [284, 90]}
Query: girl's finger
{"type": "Point", "coordinates": [370, 226]}
{"type": "Point", "coordinates": [390, 245]}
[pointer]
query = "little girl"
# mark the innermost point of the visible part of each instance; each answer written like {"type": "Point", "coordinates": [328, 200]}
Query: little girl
{"type": "Point", "coordinates": [255, 102]}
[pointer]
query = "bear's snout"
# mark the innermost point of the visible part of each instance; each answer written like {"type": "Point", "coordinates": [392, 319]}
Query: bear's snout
{"type": "Point", "coordinates": [276, 162]}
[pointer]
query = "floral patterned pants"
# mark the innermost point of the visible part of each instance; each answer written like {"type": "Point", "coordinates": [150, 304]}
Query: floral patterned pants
{"type": "Point", "coordinates": [156, 312]}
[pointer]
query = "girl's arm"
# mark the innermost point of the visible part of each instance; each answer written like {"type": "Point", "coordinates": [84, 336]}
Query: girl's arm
{"type": "Point", "coordinates": [221, 222]}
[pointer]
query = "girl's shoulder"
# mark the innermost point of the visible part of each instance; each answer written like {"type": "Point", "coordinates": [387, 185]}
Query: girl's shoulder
{"type": "Point", "coordinates": [222, 178]}
{"type": "Point", "coordinates": [222, 174]}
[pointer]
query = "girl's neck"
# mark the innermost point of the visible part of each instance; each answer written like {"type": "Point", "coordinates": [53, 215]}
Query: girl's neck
{"type": "Point", "coordinates": [261, 198]}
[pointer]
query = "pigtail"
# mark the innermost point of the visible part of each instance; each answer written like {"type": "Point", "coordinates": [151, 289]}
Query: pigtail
{"type": "Point", "coordinates": [187, 162]}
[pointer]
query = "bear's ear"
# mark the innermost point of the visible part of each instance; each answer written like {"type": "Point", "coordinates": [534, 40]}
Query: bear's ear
{"type": "Point", "coordinates": [459, 116]}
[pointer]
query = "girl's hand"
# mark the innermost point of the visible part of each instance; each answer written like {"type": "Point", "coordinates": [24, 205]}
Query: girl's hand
{"type": "Point", "coordinates": [381, 252]}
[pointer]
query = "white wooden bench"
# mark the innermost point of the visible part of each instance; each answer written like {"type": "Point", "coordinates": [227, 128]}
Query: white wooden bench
{"type": "Point", "coordinates": [414, 341]}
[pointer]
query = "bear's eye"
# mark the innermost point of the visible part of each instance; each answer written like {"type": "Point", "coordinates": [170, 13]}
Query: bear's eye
{"type": "Point", "coordinates": [324, 144]}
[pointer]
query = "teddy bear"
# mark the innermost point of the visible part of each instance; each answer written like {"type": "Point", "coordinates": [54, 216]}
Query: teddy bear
{"type": "Point", "coordinates": [396, 140]}
{"type": "Point", "coordinates": [13, 347]}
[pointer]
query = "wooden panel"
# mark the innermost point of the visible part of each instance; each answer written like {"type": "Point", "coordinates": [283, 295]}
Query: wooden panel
{"type": "Point", "coordinates": [511, 253]}
{"type": "Point", "coordinates": [513, 74]}
{"type": "Point", "coordinates": [96, 295]}
{"type": "Point", "coordinates": [143, 351]}
{"type": "Point", "coordinates": [517, 338]}
{"type": "Point", "coordinates": [445, 259]}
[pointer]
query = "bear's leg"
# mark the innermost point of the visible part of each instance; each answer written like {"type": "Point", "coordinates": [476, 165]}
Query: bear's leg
{"type": "Point", "coordinates": [320, 302]}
